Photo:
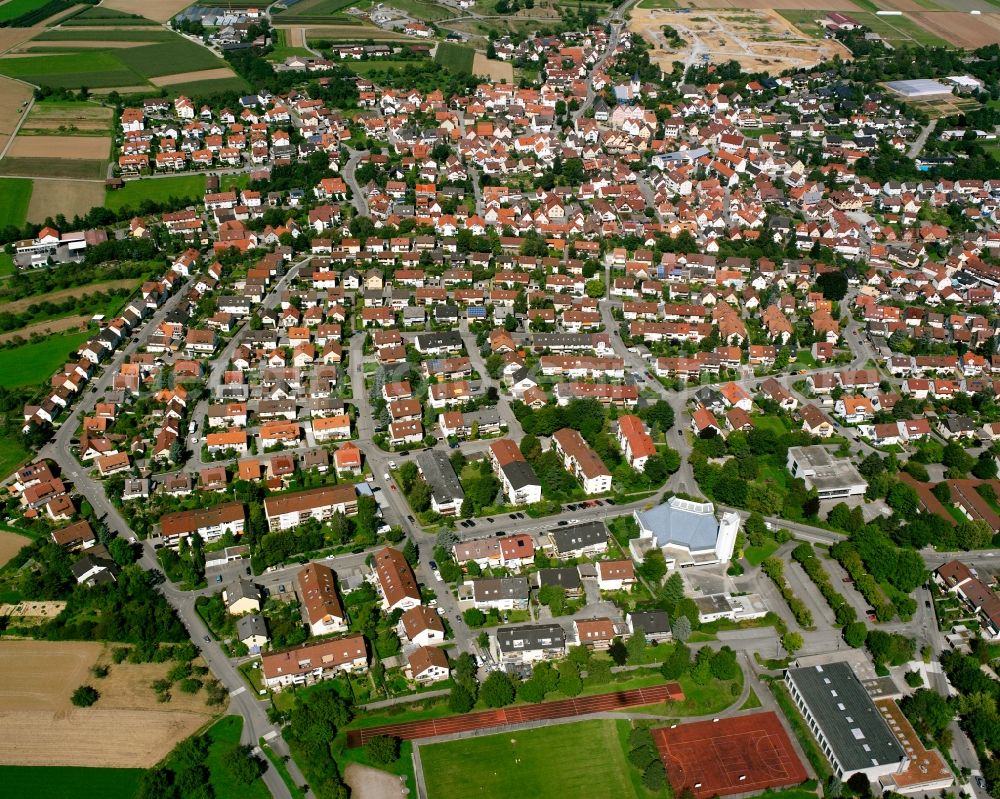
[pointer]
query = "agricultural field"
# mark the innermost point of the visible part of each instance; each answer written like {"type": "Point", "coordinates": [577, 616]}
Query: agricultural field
{"type": "Point", "coordinates": [13, 98]}
{"type": "Point", "coordinates": [34, 363]}
{"type": "Point", "coordinates": [134, 192]}
{"type": "Point", "coordinates": [895, 30]}
{"type": "Point", "coordinates": [455, 57]}
{"type": "Point", "coordinates": [74, 148]}
{"type": "Point", "coordinates": [126, 728]}
{"type": "Point", "coordinates": [66, 197]}
{"type": "Point", "coordinates": [354, 33]}
{"type": "Point", "coordinates": [59, 118]}
{"type": "Point", "coordinates": [493, 70]}
{"type": "Point", "coordinates": [54, 782]}
{"type": "Point", "coordinates": [15, 195]}
{"type": "Point", "coordinates": [56, 167]}
{"type": "Point", "coordinates": [160, 11]}
{"type": "Point", "coordinates": [12, 9]}
{"type": "Point", "coordinates": [115, 57]}
{"type": "Point", "coordinates": [585, 758]}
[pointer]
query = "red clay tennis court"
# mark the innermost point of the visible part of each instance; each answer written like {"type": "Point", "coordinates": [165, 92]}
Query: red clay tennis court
{"type": "Point", "coordinates": [745, 754]}
{"type": "Point", "coordinates": [409, 730]}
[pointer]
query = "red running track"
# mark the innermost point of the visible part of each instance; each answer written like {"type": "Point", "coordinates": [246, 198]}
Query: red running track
{"type": "Point", "coordinates": [485, 719]}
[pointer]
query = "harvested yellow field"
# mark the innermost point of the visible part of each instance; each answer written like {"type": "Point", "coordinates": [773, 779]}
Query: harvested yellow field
{"type": "Point", "coordinates": [10, 545]}
{"type": "Point", "coordinates": [126, 728]}
{"type": "Point", "coordinates": [159, 10]}
{"type": "Point", "coordinates": [73, 147]}
{"type": "Point", "coordinates": [495, 71]}
{"type": "Point", "coordinates": [759, 39]}
{"type": "Point", "coordinates": [188, 77]}
{"type": "Point", "coordinates": [66, 197]}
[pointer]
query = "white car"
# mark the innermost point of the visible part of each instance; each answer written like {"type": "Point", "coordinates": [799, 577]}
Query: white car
{"type": "Point", "coordinates": [392, 465]}
{"type": "Point", "coordinates": [386, 477]}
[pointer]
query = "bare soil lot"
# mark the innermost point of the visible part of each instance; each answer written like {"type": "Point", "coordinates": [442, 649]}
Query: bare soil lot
{"type": "Point", "coordinates": [495, 71]}
{"type": "Point", "coordinates": [126, 728]}
{"type": "Point", "coordinates": [189, 77]}
{"type": "Point", "coordinates": [372, 783]}
{"type": "Point", "coordinates": [43, 329]}
{"type": "Point", "coordinates": [159, 10]}
{"type": "Point", "coordinates": [12, 95]}
{"type": "Point", "coordinates": [760, 40]}
{"type": "Point", "coordinates": [963, 30]}
{"type": "Point", "coordinates": [72, 147]}
{"type": "Point", "coordinates": [10, 544]}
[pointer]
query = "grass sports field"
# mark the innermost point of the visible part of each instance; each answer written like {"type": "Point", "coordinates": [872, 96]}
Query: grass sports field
{"type": "Point", "coordinates": [55, 782]}
{"type": "Point", "coordinates": [157, 190]}
{"type": "Point", "coordinates": [456, 57]}
{"type": "Point", "coordinates": [581, 759]}
{"type": "Point", "coordinates": [15, 194]}
{"type": "Point", "coordinates": [35, 363]}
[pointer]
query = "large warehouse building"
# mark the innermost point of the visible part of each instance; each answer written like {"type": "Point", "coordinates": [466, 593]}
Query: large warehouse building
{"type": "Point", "coordinates": [847, 724]}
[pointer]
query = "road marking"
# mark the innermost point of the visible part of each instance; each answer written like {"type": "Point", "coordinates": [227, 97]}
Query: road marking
{"type": "Point", "coordinates": [238, 691]}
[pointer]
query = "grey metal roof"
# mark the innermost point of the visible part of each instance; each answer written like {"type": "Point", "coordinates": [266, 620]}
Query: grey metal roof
{"type": "Point", "coordinates": [531, 637]}
{"type": "Point", "coordinates": [579, 536]}
{"type": "Point", "coordinates": [439, 474]}
{"type": "Point", "coordinates": [847, 716]}
{"type": "Point", "coordinates": [680, 522]}
{"type": "Point", "coordinates": [496, 590]}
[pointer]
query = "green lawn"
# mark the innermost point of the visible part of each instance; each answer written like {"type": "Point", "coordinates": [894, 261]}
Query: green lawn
{"type": "Point", "coordinates": [455, 57]}
{"type": "Point", "coordinates": [156, 189]}
{"type": "Point", "coordinates": [7, 267]}
{"type": "Point", "coordinates": [757, 555]}
{"type": "Point", "coordinates": [772, 423]}
{"type": "Point", "coordinates": [59, 782]}
{"type": "Point", "coordinates": [581, 759]}
{"type": "Point", "coordinates": [658, 4]}
{"type": "Point", "coordinates": [223, 734]}
{"type": "Point", "coordinates": [35, 363]}
{"type": "Point", "coordinates": [12, 454]}
{"type": "Point", "coordinates": [15, 194]}
{"type": "Point", "coordinates": [382, 64]}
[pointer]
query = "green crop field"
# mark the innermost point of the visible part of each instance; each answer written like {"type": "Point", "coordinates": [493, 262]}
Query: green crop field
{"type": "Point", "coordinates": [15, 194]}
{"type": "Point", "coordinates": [455, 57]}
{"type": "Point", "coordinates": [79, 168]}
{"type": "Point", "coordinates": [316, 8]}
{"type": "Point", "coordinates": [71, 70]}
{"type": "Point", "coordinates": [12, 9]}
{"type": "Point", "coordinates": [167, 58]}
{"type": "Point", "coordinates": [190, 187]}
{"type": "Point", "coordinates": [658, 4]}
{"type": "Point", "coordinates": [202, 88]}
{"type": "Point", "coordinates": [62, 35]}
{"type": "Point", "coordinates": [60, 782]}
{"type": "Point", "coordinates": [35, 363]}
{"type": "Point", "coordinates": [581, 759]}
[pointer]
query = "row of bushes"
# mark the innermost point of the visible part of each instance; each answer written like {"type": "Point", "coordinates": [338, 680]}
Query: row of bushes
{"type": "Point", "coordinates": [848, 557]}
{"type": "Point", "coordinates": [805, 556]}
{"type": "Point", "coordinates": [775, 569]}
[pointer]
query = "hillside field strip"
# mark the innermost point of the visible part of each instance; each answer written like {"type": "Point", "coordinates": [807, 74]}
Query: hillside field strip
{"type": "Point", "coordinates": [56, 118]}
{"type": "Point", "coordinates": [55, 782]}
{"type": "Point", "coordinates": [126, 728]}
{"type": "Point", "coordinates": [455, 57]}
{"type": "Point", "coordinates": [159, 11]}
{"type": "Point", "coordinates": [33, 363]}
{"type": "Point", "coordinates": [10, 545]}
{"type": "Point", "coordinates": [70, 147]}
